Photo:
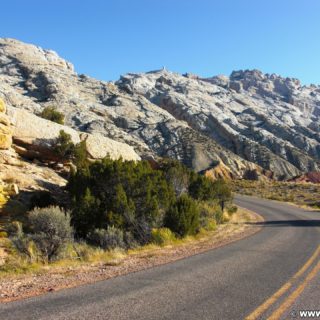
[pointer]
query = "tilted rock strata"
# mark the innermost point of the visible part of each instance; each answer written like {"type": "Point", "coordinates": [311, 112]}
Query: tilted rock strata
{"type": "Point", "coordinates": [266, 129]}
{"type": "Point", "coordinates": [245, 121]}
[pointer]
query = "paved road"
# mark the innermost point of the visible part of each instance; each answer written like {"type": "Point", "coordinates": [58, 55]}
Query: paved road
{"type": "Point", "coordinates": [226, 283]}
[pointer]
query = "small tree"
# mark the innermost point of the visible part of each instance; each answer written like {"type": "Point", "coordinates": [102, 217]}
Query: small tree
{"type": "Point", "coordinates": [222, 192]}
{"type": "Point", "coordinates": [67, 150]}
{"type": "Point", "coordinates": [64, 147]}
{"type": "Point", "coordinates": [183, 216]}
{"type": "Point", "coordinates": [126, 194]}
{"type": "Point", "coordinates": [80, 155]}
{"type": "Point", "coordinates": [204, 188]}
{"type": "Point", "coordinates": [201, 188]}
{"type": "Point", "coordinates": [86, 215]}
{"type": "Point", "coordinates": [50, 113]}
{"type": "Point", "coordinates": [251, 175]}
{"type": "Point", "coordinates": [177, 175]}
{"type": "Point", "coordinates": [51, 230]}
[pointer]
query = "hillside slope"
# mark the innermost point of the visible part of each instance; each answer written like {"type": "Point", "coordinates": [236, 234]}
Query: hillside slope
{"type": "Point", "coordinates": [247, 121]}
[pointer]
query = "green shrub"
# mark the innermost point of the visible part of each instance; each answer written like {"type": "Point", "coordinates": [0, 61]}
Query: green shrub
{"type": "Point", "coordinates": [210, 211]}
{"type": "Point", "coordinates": [80, 156]}
{"type": "Point", "coordinates": [50, 113]}
{"type": "Point", "coordinates": [219, 215]}
{"type": "Point", "coordinates": [126, 194]}
{"type": "Point", "coordinates": [3, 234]}
{"type": "Point", "coordinates": [232, 209]}
{"type": "Point", "coordinates": [15, 228]}
{"type": "Point", "coordinates": [222, 192]}
{"type": "Point", "coordinates": [64, 147]}
{"type": "Point", "coordinates": [25, 246]}
{"type": "Point", "coordinates": [162, 236]}
{"type": "Point", "coordinates": [130, 240]}
{"type": "Point", "coordinates": [201, 188]}
{"type": "Point", "coordinates": [86, 215]}
{"type": "Point", "coordinates": [205, 189]}
{"type": "Point", "coordinates": [51, 230]}
{"type": "Point", "coordinates": [211, 225]}
{"type": "Point", "coordinates": [177, 175]}
{"type": "Point", "coordinates": [107, 239]}
{"type": "Point", "coordinates": [251, 175]}
{"type": "Point", "coordinates": [136, 198]}
{"type": "Point", "coordinates": [183, 216]}
{"type": "Point", "coordinates": [23, 242]}
{"type": "Point", "coordinates": [207, 211]}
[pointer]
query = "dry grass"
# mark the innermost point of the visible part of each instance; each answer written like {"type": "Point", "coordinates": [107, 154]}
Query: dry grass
{"type": "Point", "coordinates": [87, 264]}
{"type": "Point", "coordinates": [81, 254]}
{"type": "Point", "coordinates": [302, 194]}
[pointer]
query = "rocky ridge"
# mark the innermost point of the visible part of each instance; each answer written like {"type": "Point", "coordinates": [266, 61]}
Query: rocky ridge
{"type": "Point", "coordinates": [247, 121]}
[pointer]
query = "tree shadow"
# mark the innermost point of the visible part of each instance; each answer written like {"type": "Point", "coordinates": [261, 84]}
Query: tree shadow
{"type": "Point", "coordinates": [287, 223]}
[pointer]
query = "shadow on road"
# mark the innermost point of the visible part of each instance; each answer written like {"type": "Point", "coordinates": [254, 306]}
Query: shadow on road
{"type": "Point", "coordinates": [287, 223]}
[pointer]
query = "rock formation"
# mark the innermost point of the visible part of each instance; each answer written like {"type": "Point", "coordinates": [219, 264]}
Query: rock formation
{"type": "Point", "coordinates": [37, 140]}
{"type": "Point", "coordinates": [5, 128]}
{"type": "Point", "coordinates": [248, 121]}
{"type": "Point", "coordinates": [309, 177]}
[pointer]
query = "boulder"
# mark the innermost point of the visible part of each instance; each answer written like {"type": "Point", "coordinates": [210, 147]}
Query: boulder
{"type": "Point", "coordinates": [34, 130]}
{"type": "Point", "coordinates": [99, 146]}
{"type": "Point", "coordinates": [34, 137]}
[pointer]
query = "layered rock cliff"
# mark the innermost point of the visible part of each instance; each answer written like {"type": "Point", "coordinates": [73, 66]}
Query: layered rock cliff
{"type": "Point", "coordinates": [247, 121]}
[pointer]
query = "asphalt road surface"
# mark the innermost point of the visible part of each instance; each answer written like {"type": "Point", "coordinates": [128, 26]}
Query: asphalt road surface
{"type": "Point", "coordinates": [226, 283]}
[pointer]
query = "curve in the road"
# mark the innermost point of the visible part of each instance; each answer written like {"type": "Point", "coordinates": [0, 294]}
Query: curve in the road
{"type": "Point", "coordinates": [230, 282]}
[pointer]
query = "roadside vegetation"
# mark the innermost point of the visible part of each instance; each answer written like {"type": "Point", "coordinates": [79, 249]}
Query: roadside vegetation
{"type": "Point", "coordinates": [116, 207]}
{"type": "Point", "coordinates": [302, 194]}
{"type": "Point", "coordinates": [80, 263]}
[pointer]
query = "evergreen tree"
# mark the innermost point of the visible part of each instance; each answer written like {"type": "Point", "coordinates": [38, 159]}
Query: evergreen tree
{"type": "Point", "coordinates": [85, 213]}
{"type": "Point", "coordinates": [183, 216]}
{"type": "Point", "coordinates": [64, 146]}
{"type": "Point", "coordinates": [222, 192]}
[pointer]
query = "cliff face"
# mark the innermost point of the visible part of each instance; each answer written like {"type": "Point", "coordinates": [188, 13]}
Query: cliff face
{"type": "Point", "coordinates": [246, 121]}
{"type": "Point", "coordinates": [265, 119]}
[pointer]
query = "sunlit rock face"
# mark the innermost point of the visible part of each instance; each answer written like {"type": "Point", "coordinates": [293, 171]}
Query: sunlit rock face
{"type": "Point", "coordinates": [5, 128]}
{"type": "Point", "coordinates": [266, 119]}
{"type": "Point", "coordinates": [246, 121]}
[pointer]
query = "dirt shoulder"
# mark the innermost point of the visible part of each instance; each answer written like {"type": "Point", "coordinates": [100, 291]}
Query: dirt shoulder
{"type": "Point", "coordinates": [66, 276]}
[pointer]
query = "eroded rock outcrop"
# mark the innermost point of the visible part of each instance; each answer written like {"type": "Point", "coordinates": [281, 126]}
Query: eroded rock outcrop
{"type": "Point", "coordinates": [247, 121]}
{"type": "Point", "coordinates": [309, 177]}
{"type": "Point", "coordinates": [35, 137]}
{"type": "Point", "coordinates": [5, 128]}
{"type": "Point", "coordinates": [254, 119]}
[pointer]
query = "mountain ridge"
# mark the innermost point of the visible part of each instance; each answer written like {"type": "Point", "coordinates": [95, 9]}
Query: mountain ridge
{"type": "Point", "coordinates": [248, 121]}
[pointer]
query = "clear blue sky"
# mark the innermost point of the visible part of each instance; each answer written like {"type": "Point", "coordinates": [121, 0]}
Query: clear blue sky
{"type": "Point", "coordinates": [106, 38]}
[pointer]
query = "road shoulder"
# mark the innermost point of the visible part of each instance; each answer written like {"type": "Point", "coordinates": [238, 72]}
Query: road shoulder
{"type": "Point", "coordinates": [240, 226]}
